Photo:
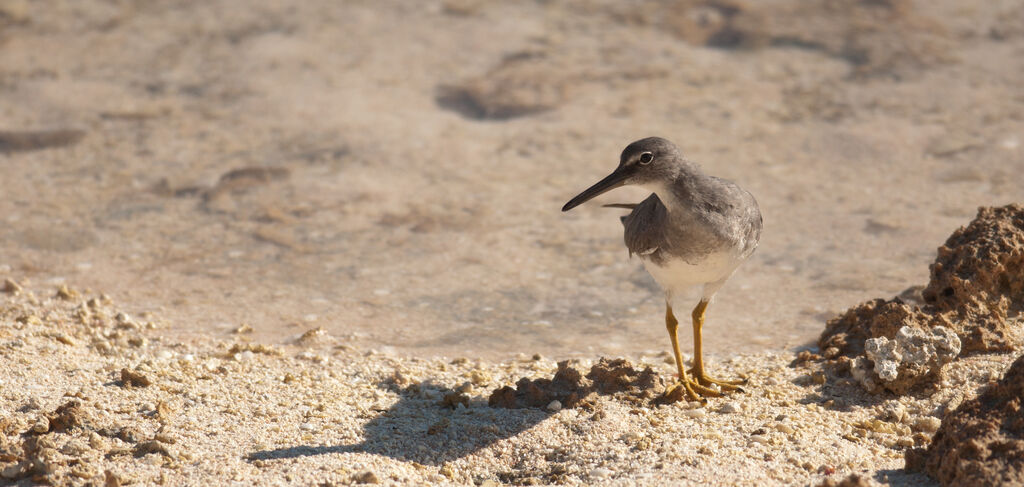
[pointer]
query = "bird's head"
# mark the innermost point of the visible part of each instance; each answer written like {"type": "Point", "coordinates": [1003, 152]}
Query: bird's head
{"type": "Point", "coordinates": [645, 162]}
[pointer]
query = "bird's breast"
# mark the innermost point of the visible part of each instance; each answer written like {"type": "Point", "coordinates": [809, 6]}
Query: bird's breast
{"type": "Point", "coordinates": [675, 273]}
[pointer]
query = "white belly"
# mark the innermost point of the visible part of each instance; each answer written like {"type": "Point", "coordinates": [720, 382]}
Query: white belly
{"type": "Point", "coordinates": [677, 275]}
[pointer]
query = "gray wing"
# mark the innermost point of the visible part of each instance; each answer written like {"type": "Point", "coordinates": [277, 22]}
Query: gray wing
{"type": "Point", "coordinates": [645, 228]}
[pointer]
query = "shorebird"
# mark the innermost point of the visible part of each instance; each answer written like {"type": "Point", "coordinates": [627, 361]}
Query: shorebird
{"type": "Point", "coordinates": [693, 230]}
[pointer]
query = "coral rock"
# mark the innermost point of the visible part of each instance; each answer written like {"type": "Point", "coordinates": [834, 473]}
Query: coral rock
{"type": "Point", "coordinates": [914, 355]}
{"type": "Point", "coordinates": [982, 441]}
{"type": "Point", "coordinates": [571, 389]}
{"type": "Point", "coordinates": [979, 277]}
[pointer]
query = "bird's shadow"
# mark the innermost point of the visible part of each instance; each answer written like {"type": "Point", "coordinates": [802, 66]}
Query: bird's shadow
{"type": "Point", "coordinates": [422, 430]}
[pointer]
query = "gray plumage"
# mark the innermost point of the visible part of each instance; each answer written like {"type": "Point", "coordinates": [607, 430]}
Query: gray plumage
{"type": "Point", "coordinates": [708, 223]}
{"type": "Point", "coordinates": [715, 214]}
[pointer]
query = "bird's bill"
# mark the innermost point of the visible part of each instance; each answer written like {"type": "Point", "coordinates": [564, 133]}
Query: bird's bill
{"type": "Point", "coordinates": [610, 182]}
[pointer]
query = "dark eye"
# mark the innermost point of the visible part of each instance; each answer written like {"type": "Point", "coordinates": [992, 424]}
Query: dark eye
{"type": "Point", "coordinates": [646, 158]}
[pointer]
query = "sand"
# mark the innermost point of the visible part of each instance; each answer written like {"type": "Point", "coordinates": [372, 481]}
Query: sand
{"type": "Point", "coordinates": [403, 164]}
{"type": "Point", "coordinates": [306, 224]}
{"type": "Point", "coordinates": [144, 409]}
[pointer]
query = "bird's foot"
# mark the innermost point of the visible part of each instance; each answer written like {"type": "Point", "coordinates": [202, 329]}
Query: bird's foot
{"type": "Point", "coordinates": [726, 385]}
{"type": "Point", "coordinates": [690, 390]}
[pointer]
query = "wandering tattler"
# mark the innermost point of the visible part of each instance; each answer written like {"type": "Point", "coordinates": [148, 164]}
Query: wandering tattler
{"type": "Point", "coordinates": [693, 230]}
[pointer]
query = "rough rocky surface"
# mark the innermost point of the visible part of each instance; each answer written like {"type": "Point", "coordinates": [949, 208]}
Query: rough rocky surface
{"type": "Point", "coordinates": [981, 443]}
{"type": "Point", "coordinates": [913, 356]}
{"type": "Point", "coordinates": [616, 377]}
{"type": "Point", "coordinates": [976, 291]}
{"type": "Point", "coordinates": [978, 279]}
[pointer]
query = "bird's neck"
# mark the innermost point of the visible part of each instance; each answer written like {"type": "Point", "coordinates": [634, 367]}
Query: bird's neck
{"type": "Point", "coordinates": [678, 191]}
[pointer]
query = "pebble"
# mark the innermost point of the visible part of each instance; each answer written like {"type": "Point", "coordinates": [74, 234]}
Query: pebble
{"type": "Point", "coordinates": [762, 439]}
{"type": "Point", "coordinates": [600, 473]}
{"type": "Point", "coordinates": [365, 477]}
{"type": "Point", "coordinates": [730, 407]}
{"type": "Point", "coordinates": [41, 426]}
{"type": "Point", "coordinates": [928, 424]}
{"type": "Point", "coordinates": [554, 406]}
{"type": "Point", "coordinates": [694, 413]}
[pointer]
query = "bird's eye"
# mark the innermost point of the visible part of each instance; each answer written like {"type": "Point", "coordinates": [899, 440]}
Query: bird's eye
{"type": "Point", "coordinates": [646, 158]}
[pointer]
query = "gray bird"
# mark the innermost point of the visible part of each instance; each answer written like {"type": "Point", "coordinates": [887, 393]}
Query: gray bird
{"type": "Point", "coordinates": [693, 229]}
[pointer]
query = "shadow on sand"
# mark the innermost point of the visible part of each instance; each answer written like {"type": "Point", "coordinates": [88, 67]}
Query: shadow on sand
{"type": "Point", "coordinates": [424, 431]}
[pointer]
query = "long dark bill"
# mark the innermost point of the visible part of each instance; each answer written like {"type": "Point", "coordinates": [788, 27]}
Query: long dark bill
{"type": "Point", "coordinates": [610, 182]}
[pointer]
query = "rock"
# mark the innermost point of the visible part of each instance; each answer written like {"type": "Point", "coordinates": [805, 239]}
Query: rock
{"type": "Point", "coordinates": [11, 287]}
{"type": "Point", "coordinates": [845, 334]}
{"type": "Point", "coordinates": [131, 378]}
{"type": "Point", "coordinates": [152, 446]}
{"type": "Point", "coordinates": [978, 278]}
{"type": "Point", "coordinates": [853, 480]}
{"type": "Point", "coordinates": [571, 389]}
{"type": "Point", "coordinates": [67, 416]}
{"type": "Point", "coordinates": [982, 441]}
{"type": "Point", "coordinates": [365, 477]}
{"type": "Point", "coordinates": [554, 406]}
{"type": "Point", "coordinates": [927, 424]}
{"type": "Point", "coordinates": [913, 356]}
{"type": "Point", "coordinates": [730, 407]}
{"type": "Point", "coordinates": [455, 399]}
{"type": "Point", "coordinates": [976, 290]}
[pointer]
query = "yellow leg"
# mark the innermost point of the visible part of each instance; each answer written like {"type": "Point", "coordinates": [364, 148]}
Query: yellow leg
{"type": "Point", "coordinates": [698, 355]}
{"type": "Point", "coordinates": [693, 389]}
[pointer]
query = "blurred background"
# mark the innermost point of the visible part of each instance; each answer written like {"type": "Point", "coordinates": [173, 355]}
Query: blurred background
{"type": "Point", "coordinates": [393, 171]}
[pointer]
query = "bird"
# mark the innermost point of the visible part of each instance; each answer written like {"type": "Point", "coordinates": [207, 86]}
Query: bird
{"type": "Point", "coordinates": [692, 230]}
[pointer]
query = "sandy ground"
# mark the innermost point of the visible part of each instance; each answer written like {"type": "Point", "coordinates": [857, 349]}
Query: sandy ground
{"type": "Point", "coordinates": [383, 178]}
{"type": "Point", "coordinates": [152, 410]}
{"type": "Point", "coordinates": [393, 171]}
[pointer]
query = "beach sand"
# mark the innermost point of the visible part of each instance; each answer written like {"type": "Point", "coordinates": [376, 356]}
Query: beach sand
{"type": "Point", "coordinates": [93, 395]}
{"type": "Point", "coordinates": [268, 242]}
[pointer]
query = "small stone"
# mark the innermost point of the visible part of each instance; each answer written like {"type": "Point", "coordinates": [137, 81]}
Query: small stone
{"type": "Point", "coordinates": [554, 406]}
{"type": "Point", "coordinates": [67, 294]}
{"type": "Point", "coordinates": [74, 447]}
{"type": "Point", "coordinates": [600, 473]}
{"type": "Point", "coordinates": [110, 479]}
{"type": "Point", "coordinates": [152, 446]}
{"type": "Point", "coordinates": [97, 442]}
{"type": "Point", "coordinates": [818, 377]}
{"type": "Point", "coordinates": [365, 477]}
{"type": "Point", "coordinates": [130, 378]}
{"type": "Point", "coordinates": [694, 413]}
{"type": "Point", "coordinates": [11, 287]}
{"type": "Point", "coordinates": [42, 425]}
{"type": "Point", "coordinates": [13, 471]}
{"type": "Point", "coordinates": [479, 378]}
{"type": "Point", "coordinates": [762, 439]}
{"type": "Point", "coordinates": [455, 399]}
{"type": "Point", "coordinates": [730, 407]}
{"type": "Point", "coordinates": [165, 438]}
{"type": "Point", "coordinates": [927, 424]}
{"type": "Point", "coordinates": [895, 412]}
